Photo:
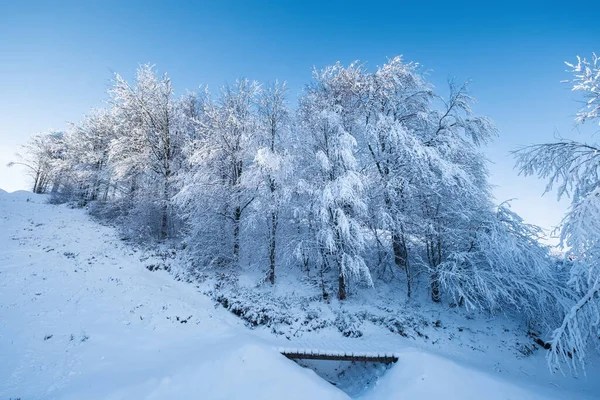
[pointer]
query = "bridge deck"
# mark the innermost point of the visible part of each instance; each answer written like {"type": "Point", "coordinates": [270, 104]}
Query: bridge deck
{"type": "Point", "coordinates": [312, 354]}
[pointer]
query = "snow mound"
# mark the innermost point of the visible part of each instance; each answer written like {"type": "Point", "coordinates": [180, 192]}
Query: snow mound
{"type": "Point", "coordinates": [22, 196]}
{"type": "Point", "coordinates": [225, 370]}
{"type": "Point", "coordinates": [421, 375]}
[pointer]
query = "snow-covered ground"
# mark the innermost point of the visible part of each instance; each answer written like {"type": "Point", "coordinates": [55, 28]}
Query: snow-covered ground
{"type": "Point", "coordinates": [82, 318]}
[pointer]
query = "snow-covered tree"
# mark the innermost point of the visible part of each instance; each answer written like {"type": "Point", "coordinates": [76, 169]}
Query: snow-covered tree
{"type": "Point", "coordinates": [572, 168]}
{"type": "Point", "coordinates": [460, 189]}
{"type": "Point", "coordinates": [149, 138]}
{"type": "Point", "coordinates": [372, 171]}
{"type": "Point", "coordinates": [332, 179]}
{"type": "Point", "coordinates": [215, 193]}
{"type": "Point", "coordinates": [505, 267]}
{"type": "Point", "coordinates": [587, 81]}
{"type": "Point", "coordinates": [396, 100]}
{"type": "Point", "coordinates": [41, 157]}
{"type": "Point", "coordinates": [86, 162]}
{"type": "Point", "coordinates": [271, 165]}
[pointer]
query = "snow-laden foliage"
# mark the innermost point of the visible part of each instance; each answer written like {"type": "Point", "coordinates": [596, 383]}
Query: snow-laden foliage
{"type": "Point", "coordinates": [42, 157]}
{"type": "Point", "coordinates": [505, 267]}
{"type": "Point", "coordinates": [459, 191]}
{"type": "Point", "coordinates": [332, 182]}
{"type": "Point", "coordinates": [145, 153]}
{"type": "Point", "coordinates": [272, 166]}
{"type": "Point", "coordinates": [85, 169]}
{"type": "Point", "coordinates": [586, 79]}
{"type": "Point", "coordinates": [373, 176]}
{"type": "Point", "coordinates": [215, 193]}
{"type": "Point", "coordinates": [572, 168]}
{"type": "Point", "coordinates": [398, 102]}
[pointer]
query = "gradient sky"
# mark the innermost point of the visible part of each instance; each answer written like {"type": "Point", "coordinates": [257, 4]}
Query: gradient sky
{"type": "Point", "coordinates": [57, 58]}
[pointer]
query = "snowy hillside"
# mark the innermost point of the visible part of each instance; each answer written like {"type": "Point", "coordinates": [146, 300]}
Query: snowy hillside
{"type": "Point", "coordinates": [82, 318]}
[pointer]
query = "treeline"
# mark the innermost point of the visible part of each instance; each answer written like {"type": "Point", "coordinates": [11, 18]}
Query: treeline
{"type": "Point", "coordinates": [372, 174]}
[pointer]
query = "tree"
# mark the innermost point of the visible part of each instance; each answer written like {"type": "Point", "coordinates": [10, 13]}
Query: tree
{"type": "Point", "coordinates": [272, 160]}
{"type": "Point", "coordinates": [460, 187]}
{"type": "Point", "coordinates": [40, 157]}
{"type": "Point", "coordinates": [505, 267]}
{"type": "Point", "coordinates": [86, 162]}
{"type": "Point", "coordinates": [372, 170]}
{"type": "Point", "coordinates": [396, 100]}
{"type": "Point", "coordinates": [214, 186]}
{"type": "Point", "coordinates": [149, 137]}
{"type": "Point", "coordinates": [587, 80]}
{"type": "Point", "coordinates": [573, 169]}
{"type": "Point", "coordinates": [333, 181]}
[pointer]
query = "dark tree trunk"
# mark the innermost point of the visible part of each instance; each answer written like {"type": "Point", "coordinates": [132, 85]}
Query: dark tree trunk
{"type": "Point", "coordinates": [323, 287]}
{"type": "Point", "coordinates": [41, 185]}
{"type": "Point", "coordinates": [435, 278]}
{"type": "Point", "coordinates": [164, 222]}
{"type": "Point", "coordinates": [273, 227]}
{"type": "Point", "coordinates": [341, 282]}
{"type": "Point", "coordinates": [272, 244]}
{"type": "Point", "coordinates": [237, 214]}
{"type": "Point", "coordinates": [435, 253]}
{"type": "Point", "coordinates": [435, 288]}
{"type": "Point", "coordinates": [36, 182]}
{"type": "Point", "coordinates": [341, 287]}
{"type": "Point", "coordinates": [401, 257]}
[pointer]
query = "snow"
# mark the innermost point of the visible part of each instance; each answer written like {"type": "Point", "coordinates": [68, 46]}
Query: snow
{"type": "Point", "coordinates": [426, 376]}
{"type": "Point", "coordinates": [82, 318]}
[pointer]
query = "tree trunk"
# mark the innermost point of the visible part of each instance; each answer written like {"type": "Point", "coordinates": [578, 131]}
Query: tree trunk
{"type": "Point", "coordinates": [435, 277]}
{"type": "Point", "coordinates": [41, 184]}
{"type": "Point", "coordinates": [55, 186]}
{"type": "Point", "coordinates": [164, 223]}
{"type": "Point", "coordinates": [434, 256]}
{"type": "Point", "coordinates": [273, 230]}
{"type": "Point", "coordinates": [95, 190]}
{"type": "Point", "coordinates": [272, 244]}
{"type": "Point", "coordinates": [401, 257]}
{"type": "Point", "coordinates": [435, 288]}
{"type": "Point", "coordinates": [408, 280]}
{"type": "Point", "coordinates": [36, 181]}
{"type": "Point", "coordinates": [237, 213]}
{"type": "Point", "coordinates": [321, 272]}
{"type": "Point", "coordinates": [341, 287]}
{"type": "Point", "coordinates": [236, 234]}
{"type": "Point", "coordinates": [341, 282]}
{"type": "Point", "coordinates": [105, 195]}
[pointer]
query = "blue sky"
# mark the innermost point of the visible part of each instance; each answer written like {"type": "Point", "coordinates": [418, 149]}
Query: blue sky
{"type": "Point", "coordinates": [56, 60]}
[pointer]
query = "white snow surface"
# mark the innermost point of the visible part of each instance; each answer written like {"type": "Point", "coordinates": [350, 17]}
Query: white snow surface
{"type": "Point", "coordinates": [82, 318]}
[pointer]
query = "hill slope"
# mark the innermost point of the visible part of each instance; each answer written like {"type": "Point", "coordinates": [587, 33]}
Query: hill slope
{"type": "Point", "coordinates": [81, 318]}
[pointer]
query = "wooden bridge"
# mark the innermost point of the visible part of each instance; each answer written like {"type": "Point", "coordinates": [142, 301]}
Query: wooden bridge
{"type": "Point", "coordinates": [313, 354]}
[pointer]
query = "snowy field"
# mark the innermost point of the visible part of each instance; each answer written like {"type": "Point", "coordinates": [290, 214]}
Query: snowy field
{"type": "Point", "coordinates": [82, 318]}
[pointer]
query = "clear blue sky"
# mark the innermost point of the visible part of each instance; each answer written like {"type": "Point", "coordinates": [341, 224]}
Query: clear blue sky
{"type": "Point", "coordinates": [56, 60]}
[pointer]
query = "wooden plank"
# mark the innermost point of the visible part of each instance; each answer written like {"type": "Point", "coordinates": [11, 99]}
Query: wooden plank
{"type": "Point", "coordinates": [344, 356]}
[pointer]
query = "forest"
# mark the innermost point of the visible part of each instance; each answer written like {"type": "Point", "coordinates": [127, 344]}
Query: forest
{"type": "Point", "coordinates": [370, 176]}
